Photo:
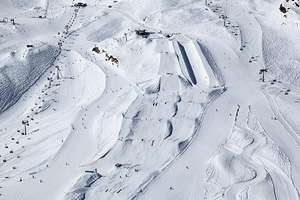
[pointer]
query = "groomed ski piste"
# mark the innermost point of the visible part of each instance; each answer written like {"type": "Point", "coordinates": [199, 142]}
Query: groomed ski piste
{"type": "Point", "coordinates": [94, 107]}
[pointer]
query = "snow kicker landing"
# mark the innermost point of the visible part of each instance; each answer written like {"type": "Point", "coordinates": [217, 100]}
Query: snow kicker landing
{"type": "Point", "coordinates": [194, 65]}
{"type": "Point", "coordinates": [250, 165]}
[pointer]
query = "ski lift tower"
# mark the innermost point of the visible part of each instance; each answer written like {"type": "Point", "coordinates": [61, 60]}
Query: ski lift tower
{"type": "Point", "coordinates": [25, 123]}
{"type": "Point", "coordinates": [125, 36]}
{"type": "Point", "coordinates": [50, 80]}
{"type": "Point", "coordinates": [224, 17]}
{"type": "Point", "coordinates": [57, 72]}
{"type": "Point", "coordinates": [262, 71]}
{"type": "Point", "coordinates": [59, 45]}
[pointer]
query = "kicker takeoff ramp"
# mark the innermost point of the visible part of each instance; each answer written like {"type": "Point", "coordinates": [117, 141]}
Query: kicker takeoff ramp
{"type": "Point", "coordinates": [194, 64]}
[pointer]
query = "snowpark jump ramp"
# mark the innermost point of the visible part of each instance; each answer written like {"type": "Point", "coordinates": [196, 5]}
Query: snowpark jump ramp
{"type": "Point", "coordinates": [194, 65]}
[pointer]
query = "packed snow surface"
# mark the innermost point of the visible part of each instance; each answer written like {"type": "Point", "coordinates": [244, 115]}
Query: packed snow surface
{"type": "Point", "coordinates": [149, 99]}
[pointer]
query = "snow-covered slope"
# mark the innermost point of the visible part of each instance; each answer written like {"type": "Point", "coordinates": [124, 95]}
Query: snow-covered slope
{"type": "Point", "coordinates": [91, 109]}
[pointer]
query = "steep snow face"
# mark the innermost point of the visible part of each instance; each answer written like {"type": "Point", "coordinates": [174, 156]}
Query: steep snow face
{"type": "Point", "coordinates": [280, 57]}
{"type": "Point", "coordinates": [140, 99]}
{"type": "Point", "coordinates": [195, 65]}
{"type": "Point", "coordinates": [19, 72]}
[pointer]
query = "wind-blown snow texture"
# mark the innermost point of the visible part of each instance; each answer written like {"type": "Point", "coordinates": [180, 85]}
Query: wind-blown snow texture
{"type": "Point", "coordinates": [92, 107]}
